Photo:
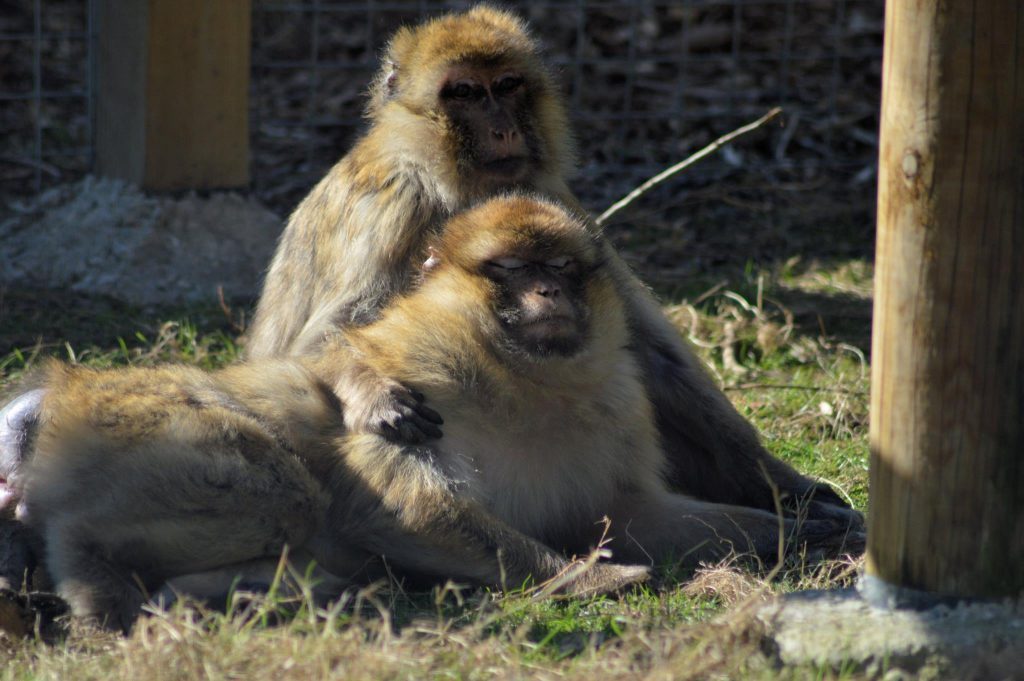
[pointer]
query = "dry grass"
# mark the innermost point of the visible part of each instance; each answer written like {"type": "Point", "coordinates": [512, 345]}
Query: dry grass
{"type": "Point", "coordinates": [778, 340]}
{"type": "Point", "coordinates": [644, 634]}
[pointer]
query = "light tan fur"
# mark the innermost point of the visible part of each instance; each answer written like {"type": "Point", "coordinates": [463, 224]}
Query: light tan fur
{"type": "Point", "coordinates": [143, 475]}
{"type": "Point", "coordinates": [353, 244]}
{"type": "Point", "coordinates": [349, 246]}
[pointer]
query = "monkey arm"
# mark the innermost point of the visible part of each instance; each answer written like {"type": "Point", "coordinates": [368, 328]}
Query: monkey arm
{"type": "Point", "coordinates": [399, 502]}
{"type": "Point", "coordinates": [373, 403]}
{"type": "Point", "coordinates": [713, 452]}
{"type": "Point", "coordinates": [665, 527]}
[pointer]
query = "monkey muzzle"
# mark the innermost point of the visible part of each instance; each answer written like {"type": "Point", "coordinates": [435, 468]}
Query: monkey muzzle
{"type": "Point", "coordinates": [506, 167]}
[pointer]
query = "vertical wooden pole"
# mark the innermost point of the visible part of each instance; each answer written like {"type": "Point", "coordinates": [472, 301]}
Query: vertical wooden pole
{"type": "Point", "coordinates": [947, 397]}
{"type": "Point", "coordinates": [173, 92]}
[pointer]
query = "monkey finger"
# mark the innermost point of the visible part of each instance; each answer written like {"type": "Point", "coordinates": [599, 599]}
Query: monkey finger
{"type": "Point", "coordinates": [428, 414]}
{"type": "Point", "coordinates": [408, 417]}
{"type": "Point", "coordinates": [844, 515]}
{"type": "Point", "coordinates": [394, 434]}
{"type": "Point", "coordinates": [428, 428]}
{"type": "Point", "coordinates": [402, 431]}
{"type": "Point", "coordinates": [422, 428]}
{"type": "Point", "coordinates": [415, 402]}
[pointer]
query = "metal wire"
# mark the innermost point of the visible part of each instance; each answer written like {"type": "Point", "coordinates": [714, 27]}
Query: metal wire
{"type": "Point", "coordinates": [645, 80]}
{"type": "Point", "coordinates": [47, 131]}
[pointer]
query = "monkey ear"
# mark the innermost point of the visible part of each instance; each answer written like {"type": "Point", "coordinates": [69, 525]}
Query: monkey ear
{"type": "Point", "coordinates": [433, 259]}
{"type": "Point", "coordinates": [390, 77]}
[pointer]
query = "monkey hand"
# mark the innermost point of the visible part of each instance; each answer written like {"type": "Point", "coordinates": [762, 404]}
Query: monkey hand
{"type": "Point", "coordinates": [378, 405]}
{"type": "Point", "coordinates": [821, 502]}
{"type": "Point", "coordinates": [603, 578]}
{"type": "Point", "coordinates": [819, 540]}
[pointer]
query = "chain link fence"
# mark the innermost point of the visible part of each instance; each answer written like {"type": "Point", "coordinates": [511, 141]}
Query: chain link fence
{"type": "Point", "coordinates": [46, 93]}
{"type": "Point", "coordinates": [647, 82]}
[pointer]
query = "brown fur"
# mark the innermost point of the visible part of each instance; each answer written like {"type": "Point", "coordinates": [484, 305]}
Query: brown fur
{"type": "Point", "coordinates": [141, 475]}
{"type": "Point", "coordinates": [352, 245]}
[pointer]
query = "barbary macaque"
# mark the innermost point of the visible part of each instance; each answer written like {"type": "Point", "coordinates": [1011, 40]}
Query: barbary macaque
{"type": "Point", "coordinates": [518, 331]}
{"type": "Point", "coordinates": [464, 108]}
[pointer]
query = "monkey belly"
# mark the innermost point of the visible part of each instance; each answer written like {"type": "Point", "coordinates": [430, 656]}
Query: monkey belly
{"type": "Point", "coordinates": [546, 487]}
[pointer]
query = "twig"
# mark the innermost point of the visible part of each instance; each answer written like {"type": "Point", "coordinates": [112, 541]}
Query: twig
{"type": "Point", "coordinates": [779, 386]}
{"type": "Point", "coordinates": [682, 165]}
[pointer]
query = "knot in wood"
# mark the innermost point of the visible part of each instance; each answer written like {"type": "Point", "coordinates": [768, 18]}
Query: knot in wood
{"type": "Point", "coordinates": [911, 164]}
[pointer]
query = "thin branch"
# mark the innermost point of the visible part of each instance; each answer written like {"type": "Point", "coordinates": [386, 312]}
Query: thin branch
{"type": "Point", "coordinates": [682, 165]}
{"type": "Point", "coordinates": [779, 386]}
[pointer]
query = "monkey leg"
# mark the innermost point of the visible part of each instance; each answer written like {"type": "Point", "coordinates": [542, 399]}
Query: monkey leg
{"type": "Point", "coordinates": [399, 503]}
{"type": "Point", "coordinates": [661, 527]}
{"type": "Point", "coordinates": [194, 511]}
{"type": "Point", "coordinates": [97, 588]}
{"type": "Point", "coordinates": [712, 452]}
{"type": "Point", "coordinates": [216, 587]}
{"type": "Point", "coordinates": [20, 553]}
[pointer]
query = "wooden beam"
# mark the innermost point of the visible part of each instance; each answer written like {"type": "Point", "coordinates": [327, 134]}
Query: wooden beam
{"type": "Point", "coordinates": [947, 397]}
{"type": "Point", "coordinates": [172, 110]}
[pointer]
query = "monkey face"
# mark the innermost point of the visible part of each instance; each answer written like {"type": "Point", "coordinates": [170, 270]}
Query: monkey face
{"type": "Point", "coordinates": [528, 265]}
{"type": "Point", "coordinates": [540, 303]}
{"type": "Point", "coordinates": [488, 107]}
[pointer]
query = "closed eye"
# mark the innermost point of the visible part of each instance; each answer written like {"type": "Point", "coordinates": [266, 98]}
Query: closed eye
{"type": "Point", "coordinates": [559, 263]}
{"type": "Point", "coordinates": [508, 263]}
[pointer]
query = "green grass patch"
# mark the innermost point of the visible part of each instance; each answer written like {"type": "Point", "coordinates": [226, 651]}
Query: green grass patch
{"type": "Point", "coordinates": [788, 346]}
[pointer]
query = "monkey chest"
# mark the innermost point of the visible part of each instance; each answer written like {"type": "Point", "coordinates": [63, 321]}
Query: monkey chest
{"type": "Point", "coordinates": [545, 482]}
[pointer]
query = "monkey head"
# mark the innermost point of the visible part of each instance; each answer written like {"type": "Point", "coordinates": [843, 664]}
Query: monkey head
{"type": "Point", "coordinates": [474, 98]}
{"type": "Point", "coordinates": [535, 270]}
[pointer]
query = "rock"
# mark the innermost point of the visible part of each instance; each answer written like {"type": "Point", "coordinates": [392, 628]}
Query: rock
{"type": "Point", "coordinates": [103, 235]}
{"type": "Point", "coordinates": [839, 629]}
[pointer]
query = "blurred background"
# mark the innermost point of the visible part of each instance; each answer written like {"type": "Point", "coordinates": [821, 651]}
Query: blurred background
{"type": "Point", "coordinates": [648, 83]}
{"type": "Point", "coordinates": [762, 252]}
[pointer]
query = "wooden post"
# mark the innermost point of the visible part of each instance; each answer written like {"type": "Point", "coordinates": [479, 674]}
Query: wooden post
{"type": "Point", "coordinates": [173, 84]}
{"type": "Point", "coordinates": [947, 396]}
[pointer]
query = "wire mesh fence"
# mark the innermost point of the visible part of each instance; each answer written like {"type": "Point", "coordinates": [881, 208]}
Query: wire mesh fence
{"type": "Point", "coordinates": [46, 93]}
{"type": "Point", "coordinates": [647, 82]}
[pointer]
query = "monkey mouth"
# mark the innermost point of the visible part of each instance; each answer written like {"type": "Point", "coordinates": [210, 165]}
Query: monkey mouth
{"type": "Point", "coordinates": [506, 167]}
{"type": "Point", "coordinates": [555, 323]}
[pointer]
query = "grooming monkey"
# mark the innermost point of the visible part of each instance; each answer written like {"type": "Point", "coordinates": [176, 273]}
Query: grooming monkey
{"type": "Point", "coordinates": [463, 108]}
{"type": "Point", "coordinates": [517, 331]}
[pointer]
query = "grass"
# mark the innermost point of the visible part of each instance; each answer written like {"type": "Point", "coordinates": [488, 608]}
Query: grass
{"type": "Point", "coordinates": [788, 344]}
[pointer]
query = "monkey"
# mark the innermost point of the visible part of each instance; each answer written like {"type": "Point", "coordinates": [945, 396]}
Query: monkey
{"type": "Point", "coordinates": [520, 334]}
{"type": "Point", "coordinates": [517, 330]}
{"type": "Point", "coordinates": [463, 108]}
{"type": "Point", "coordinates": [351, 246]}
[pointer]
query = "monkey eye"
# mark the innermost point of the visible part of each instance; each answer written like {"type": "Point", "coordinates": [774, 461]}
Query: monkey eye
{"type": "Point", "coordinates": [463, 89]}
{"type": "Point", "coordinates": [507, 85]}
{"type": "Point", "coordinates": [508, 263]}
{"type": "Point", "coordinates": [559, 263]}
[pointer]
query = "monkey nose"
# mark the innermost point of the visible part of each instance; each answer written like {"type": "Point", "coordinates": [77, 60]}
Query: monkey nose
{"type": "Point", "coordinates": [551, 291]}
{"type": "Point", "coordinates": [507, 136]}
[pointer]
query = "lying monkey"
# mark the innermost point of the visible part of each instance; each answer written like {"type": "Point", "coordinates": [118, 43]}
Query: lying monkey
{"type": "Point", "coordinates": [517, 332]}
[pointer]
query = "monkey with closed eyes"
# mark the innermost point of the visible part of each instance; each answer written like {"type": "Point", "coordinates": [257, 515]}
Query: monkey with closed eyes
{"type": "Point", "coordinates": [464, 108]}
{"type": "Point", "coordinates": [517, 331]}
